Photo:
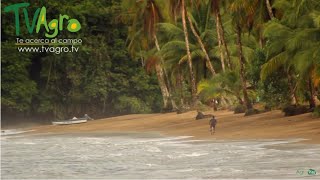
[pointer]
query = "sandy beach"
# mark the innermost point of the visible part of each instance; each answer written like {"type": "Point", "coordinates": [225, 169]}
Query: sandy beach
{"type": "Point", "coordinates": [269, 125]}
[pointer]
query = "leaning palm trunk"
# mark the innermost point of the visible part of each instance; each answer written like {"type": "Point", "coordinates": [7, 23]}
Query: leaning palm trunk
{"type": "Point", "coordinates": [242, 72]}
{"type": "Point", "coordinates": [269, 9]}
{"type": "Point", "coordinates": [169, 89]}
{"type": "Point", "coordinates": [223, 40]}
{"type": "Point", "coordinates": [220, 34]}
{"type": "Point", "coordinates": [162, 84]}
{"type": "Point", "coordinates": [165, 88]}
{"type": "Point", "coordinates": [193, 80]}
{"type": "Point", "coordinates": [209, 64]}
{"type": "Point", "coordinates": [220, 46]}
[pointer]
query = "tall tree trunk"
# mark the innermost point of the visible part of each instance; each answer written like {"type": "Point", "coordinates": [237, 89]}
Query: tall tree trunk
{"type": "Point", "coordinates": [204, 70]}
{"type": "Point", "coordinates": [193, 80]}
{"type": "Point", "coordinates": [242, 71]}
{"type": "Point", "coordinates": [180, 84]}
{"type": "Point", "coordinates": [209, 64]}
{"type": "Point", "coordinates": [220, 33]}
{"type": "Point", "coordinates": [223, 40]}
{"type": "Point", "coordinates": [269, 7]}
{"type": "Point", "coordinates": [312, 100]}
{"type": "Point", "coordinates": [168, 86]}
{"type": "Point", "coordinates": [294, 99]}
{"type": "Point", "coordinates": [163, 87]}
{"type": "Point", "coordinates": [220, 44]}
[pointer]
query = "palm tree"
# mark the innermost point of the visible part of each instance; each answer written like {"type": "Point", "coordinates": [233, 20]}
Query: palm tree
{"type": "Point", "coordinates": [224, 86]}
{"type": "Point", "coordinates": [279, 56]}
{"type": "Point", "coordinates": [215, 8]}
{"type": "Point", "coordinates": [242, 12]}
{"type": "Point", "coordinates": [186, 37]}
{"type": "Point", "coordinates": [174, 50]}
{"type": "Point", "coordinates": [242, 71]}
{"type": "Point", "coordinates": [294, 45]}
{"type": "Point", "coordinates": [208, 61]}
{"type": "Point", "coordinates": [201, 26]}
{"type": "Point", "coordinates": [185, 30]}
{"type": "Point", "coordinates": [146, 13]}
{"type": "Point", "coordinates": [269, 7]}
{"type": "Point", "coordinates": [154, 12]}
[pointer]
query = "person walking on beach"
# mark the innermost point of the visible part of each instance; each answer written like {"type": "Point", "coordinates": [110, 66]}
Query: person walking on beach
{"type": "Point", "coordinates": [212, 124]}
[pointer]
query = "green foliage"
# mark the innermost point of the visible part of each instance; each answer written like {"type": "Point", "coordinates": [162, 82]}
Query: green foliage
{"type": "Point", "coordinates": [316, 112]}
{"type": "Point", "coordinates": [131, 105]}
{"type": "Point", "coordinates": [274, 91]}
{"type": "Point", "coordinates": [224, 85]}
{"type": "Point", "coordinates": [181, 94]}
{"type": "Point", "coordinates": [100, 79]}
{"type": "Point", "coordinates": [17, 89]}
{"type": "Point", "coordinates": [254, 69]}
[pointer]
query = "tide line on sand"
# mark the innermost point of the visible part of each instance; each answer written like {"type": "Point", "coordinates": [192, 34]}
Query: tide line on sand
{"type": "Point", "coordinates": [13, 132]}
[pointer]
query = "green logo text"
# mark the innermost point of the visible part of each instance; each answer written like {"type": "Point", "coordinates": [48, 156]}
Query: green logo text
{"type": "Point", "coordinates": [39, 19]}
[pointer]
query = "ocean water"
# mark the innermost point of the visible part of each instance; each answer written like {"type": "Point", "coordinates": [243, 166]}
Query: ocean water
{"type": "Point", "coordinates": [151, 156]}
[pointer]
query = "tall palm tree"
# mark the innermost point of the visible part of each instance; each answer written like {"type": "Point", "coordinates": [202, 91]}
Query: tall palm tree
{"type": "Point", "coordinates": [180, 4]}
{"type": "Point", "coordinates": [215, 8]}
{"type": "Point", "coordinates": [155, 12]}
{"type": "Point", "coordinates": [242, 70]}
{"type": "Point", "coordinates": [242, 12]}
{"type": "Point", "coordinates": [174, 49]}
{"type": "Point", "coordinates": [201, 26]}
{"type": "Point", "coordinates": [146, 13]}
{"type": "Point", "coordinates": [208, 61]}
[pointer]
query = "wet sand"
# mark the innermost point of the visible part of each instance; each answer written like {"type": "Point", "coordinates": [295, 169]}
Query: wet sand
{"type": "Point", "coordinates": [269, 125]}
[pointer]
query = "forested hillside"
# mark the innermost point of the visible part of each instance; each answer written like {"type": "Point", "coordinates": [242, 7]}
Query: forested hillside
{"type": "Point", "coordinates": [101, 79]}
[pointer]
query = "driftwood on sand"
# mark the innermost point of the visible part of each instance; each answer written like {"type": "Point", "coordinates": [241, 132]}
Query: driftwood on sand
{"type": "Point", "coordinates": [200, 115]}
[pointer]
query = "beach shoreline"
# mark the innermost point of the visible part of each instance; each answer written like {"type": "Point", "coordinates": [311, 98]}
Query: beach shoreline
{"type": "Point", "coordinates": [269, 125]}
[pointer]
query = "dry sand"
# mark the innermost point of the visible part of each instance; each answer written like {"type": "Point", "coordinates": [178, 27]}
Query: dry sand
{"type": "Point", "coordinates": [269, 125]}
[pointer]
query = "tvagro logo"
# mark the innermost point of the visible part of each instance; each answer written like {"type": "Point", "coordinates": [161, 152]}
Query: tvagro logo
{"type": "Point", "coordinates": [310, 172]}
{"type": "Point", "coordinates": [39, 19]}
